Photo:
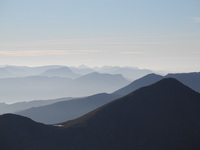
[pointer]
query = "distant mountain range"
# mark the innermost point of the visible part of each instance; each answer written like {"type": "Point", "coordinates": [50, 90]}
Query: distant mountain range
{"type": "Point", "coordinates": [22, 83]}
{"type": "Point", "coordinates": [60, 72]}
{"type": "Point", "coordinates": [161, 116]}
{"type": "Point", "coordinates": [63, 111]}
{"type": "Point", "coordinates": [82, 70]}
{"type": "Point", "coordinates": [131, 73]}
{"type": "Point", "coordinates": [43, 87]}
{"type": "Point", "coordinates": [50, 114]}
{"type": "Point", "coordinates": [24, 71]}
{"type": "Point", "coordinates": [100, 81]}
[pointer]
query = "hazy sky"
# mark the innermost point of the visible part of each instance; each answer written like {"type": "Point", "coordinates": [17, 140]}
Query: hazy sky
{"type": "Point", "coordinates": [152, 34]}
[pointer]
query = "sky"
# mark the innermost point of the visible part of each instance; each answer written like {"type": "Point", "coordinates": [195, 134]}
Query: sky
{"type": "Point", "coordinates": [150, 34]}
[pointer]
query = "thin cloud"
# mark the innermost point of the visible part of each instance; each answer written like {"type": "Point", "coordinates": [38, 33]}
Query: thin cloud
{"type": "Point", "coordinates": [196, 19]}
{"type": "Point", "coordinates": [36, 53]}
{"type": "Point", "coordinates": [46, 52]}
{"type": "Point", "coordinates": [130, 52]}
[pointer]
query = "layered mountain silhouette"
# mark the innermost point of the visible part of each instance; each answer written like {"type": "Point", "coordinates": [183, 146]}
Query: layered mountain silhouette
{"type": "Point", "coordinates": [63, 111]}
{"type": "Point", "coordinates": [131, 73]}
{"type": "Point", "coordinates": [161, 116]}
{"type": "Point", "coordinates": [42, 87]}
{"type": "Point", "coordinates": [67, 110]}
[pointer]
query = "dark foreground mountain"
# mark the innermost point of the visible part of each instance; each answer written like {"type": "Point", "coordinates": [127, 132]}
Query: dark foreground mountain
{"type": "Point", "coordinates": [20, 133]}
{"type": "Point", "coordinates": [67, 110]}
{"type": "Point", "coordinates": [162, 116]}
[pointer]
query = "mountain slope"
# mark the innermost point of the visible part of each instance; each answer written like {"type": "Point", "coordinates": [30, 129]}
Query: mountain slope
{"type": "Point", "coordinates": [67, 110]}
{"type": "Point", "coordinates": [190, 79]}
{"type": "Point", "coordinates": [144, 81]}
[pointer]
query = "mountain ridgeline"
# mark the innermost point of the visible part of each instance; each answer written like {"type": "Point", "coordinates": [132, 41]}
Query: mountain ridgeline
{"type": "Point", "coordinates": [192, 80]}
{"type": "Point", "coordinates": [64, 111]}
{"type": "Point", "coordinates": [163, 115]}
{"type": "Point", "coordinates": [144, 81]}
{"type": "Point", "coordinates": [21, 83]}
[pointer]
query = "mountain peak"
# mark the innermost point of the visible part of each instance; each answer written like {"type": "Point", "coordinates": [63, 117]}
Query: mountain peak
{"type": "Point", "coordinates": [169, 84]}
{"type": "Point", "coordinates": [60, 72]}
{"type": "Point", "coordinates": [168, 81]}
{"type": "Point", "coordinates": [144, 81]}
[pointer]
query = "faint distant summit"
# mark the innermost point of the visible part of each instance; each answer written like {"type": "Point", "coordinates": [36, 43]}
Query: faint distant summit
{"type": "Point", "coordinates": [60, 72]}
